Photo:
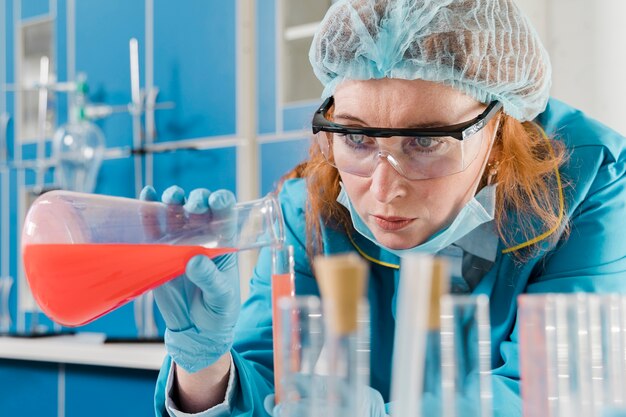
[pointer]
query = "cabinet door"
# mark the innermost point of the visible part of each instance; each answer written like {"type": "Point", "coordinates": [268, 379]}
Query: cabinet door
{"type": "Point", "coordinates": [28, 388]}
{"type": "Point", "coordinates": [103, 392]}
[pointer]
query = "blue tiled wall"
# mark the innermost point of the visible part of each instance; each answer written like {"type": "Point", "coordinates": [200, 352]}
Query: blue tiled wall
{"type": "Point", "coordinates": [194, 66]}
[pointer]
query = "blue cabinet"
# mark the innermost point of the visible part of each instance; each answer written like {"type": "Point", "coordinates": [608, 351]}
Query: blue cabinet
{"type": "Point", "coordinates": [104, 392]}
{"type": "Point", "coordinates": [51, 389]}
{"type": "Point", "coordinates": [28, 388]}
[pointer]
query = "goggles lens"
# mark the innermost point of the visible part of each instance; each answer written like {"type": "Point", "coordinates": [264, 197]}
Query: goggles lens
{"type": "Point", "coordinates": [414, 157]}
{"type": "Point", "coordinates": [415, 153]}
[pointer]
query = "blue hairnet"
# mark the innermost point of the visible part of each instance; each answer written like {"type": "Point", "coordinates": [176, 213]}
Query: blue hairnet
{"type": "Point", "coordinates": [485, 48]}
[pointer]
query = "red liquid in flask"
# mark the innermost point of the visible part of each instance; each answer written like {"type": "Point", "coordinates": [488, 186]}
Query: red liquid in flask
{"type": "Point", "coordinates": [77, 283]}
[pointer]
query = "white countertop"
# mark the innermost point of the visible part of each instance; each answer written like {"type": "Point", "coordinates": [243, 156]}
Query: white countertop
{"type": "Point", "coordinates": [83, 349]}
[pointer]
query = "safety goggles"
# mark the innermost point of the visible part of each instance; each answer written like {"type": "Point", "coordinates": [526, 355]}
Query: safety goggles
{"type": "Point", "coordinates": [415, 153]}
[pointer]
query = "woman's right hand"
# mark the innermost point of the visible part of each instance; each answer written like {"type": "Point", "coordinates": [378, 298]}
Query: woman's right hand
{"type": "Point", "coordinates": [201, 307]}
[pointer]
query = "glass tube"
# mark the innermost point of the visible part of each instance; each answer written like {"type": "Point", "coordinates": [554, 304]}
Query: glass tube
{"type": "Point", "coordinates": [581, 343]}
{"type": "Point", "coordinates": [616, 351]}
{"type": "Point", "coordinates": [413, 342]}
{"type": "Point", "coordinates": [572, 354]}
{"type": "Point", "coordinates": [532, 356]}
{"type": "Point", "coordinates": [323, 374]}
{"type": "Point", "coordinates": [283, 285]}
{"type": "Point", "coordinates": [302, 339]}
{"type": "Point", "coordinates": [465, 356]}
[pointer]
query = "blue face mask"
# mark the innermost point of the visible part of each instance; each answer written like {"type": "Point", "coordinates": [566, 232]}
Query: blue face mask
{"type": "Point", "coordinates": [477, 211]}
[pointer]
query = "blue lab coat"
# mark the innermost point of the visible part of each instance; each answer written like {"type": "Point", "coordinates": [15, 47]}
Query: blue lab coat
{"type": "Point", "coordinates": [592, 259]}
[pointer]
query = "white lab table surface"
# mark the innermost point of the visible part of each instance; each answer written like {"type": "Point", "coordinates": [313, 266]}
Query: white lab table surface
{"type": "Point", "coordinates": [83, 349]}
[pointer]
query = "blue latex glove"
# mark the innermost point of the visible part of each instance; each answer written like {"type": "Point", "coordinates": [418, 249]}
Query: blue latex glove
{"type": "Point", "coordinates": [371, 403]}
{"type": "Point", "coordinates": [200, 308]}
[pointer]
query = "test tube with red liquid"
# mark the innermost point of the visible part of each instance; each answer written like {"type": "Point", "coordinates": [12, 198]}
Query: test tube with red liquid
{"type": "Point", "coordinates": [87, 254]}
{"type": "Point", "coordinates": [283, 286]}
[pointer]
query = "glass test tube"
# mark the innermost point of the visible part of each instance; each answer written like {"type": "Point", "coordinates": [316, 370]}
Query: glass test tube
{"type": "Point", "coordinates": [342, 280]}
{"type": "Point", "coordinates": [466, 356]}
{"type": "Point", "coordinates": [302, 339]}
{"type": "Point", "coordinates": [432, 403]}
{"type": "Point", "coordinates": [554, 355]}
{"type": "Point", "coordinates": [348, 367]}
{"type": "Point", "coordinates": [283, 285]}
{"type": "Point", "coordinates": [533, 360]}
{"type": "Point", "coordinates": [572, 354]}
{"type": "Point", "coordinates": [442, 356]}
{"type": "Point", "coordinates": [607, 352]}
{"type": "Point", "coordinates": [410, 344]}
{"type": "Point", "coordinates": [442, 353]}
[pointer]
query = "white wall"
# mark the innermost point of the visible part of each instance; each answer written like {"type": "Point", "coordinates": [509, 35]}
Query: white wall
{"type": "Point", "coordinates": [587, 44]}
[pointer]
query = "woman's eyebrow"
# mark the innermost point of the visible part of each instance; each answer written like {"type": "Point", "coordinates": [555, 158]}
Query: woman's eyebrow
{"type": "Point", "coordinates": [427, 125]}
{"type": "Point", "coordinates": [352, 118]}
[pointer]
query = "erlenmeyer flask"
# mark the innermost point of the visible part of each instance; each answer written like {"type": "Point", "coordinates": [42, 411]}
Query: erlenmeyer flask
{"type": "Point", "coordinates": [78, 148]}
{"type": "Point", "coordinates": [87, 254]}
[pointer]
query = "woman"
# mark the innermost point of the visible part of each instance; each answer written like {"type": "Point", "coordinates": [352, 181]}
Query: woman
{"type": "Point", "coordinates": [437, 135]}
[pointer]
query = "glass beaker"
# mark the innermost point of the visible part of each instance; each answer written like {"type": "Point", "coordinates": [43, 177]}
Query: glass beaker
{"type": "Point", "coordinates": [87, 254]}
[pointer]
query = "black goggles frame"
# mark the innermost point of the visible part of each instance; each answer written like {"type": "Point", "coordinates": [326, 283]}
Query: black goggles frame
{"type": "Point", "coordinates": [459, 131]}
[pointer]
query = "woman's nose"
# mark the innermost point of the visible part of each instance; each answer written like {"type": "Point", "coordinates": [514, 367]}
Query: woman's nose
{"type": "Point", "coordinates": [387, 183]}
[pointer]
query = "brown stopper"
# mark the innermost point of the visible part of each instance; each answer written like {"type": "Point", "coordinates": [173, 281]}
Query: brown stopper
{"type": "Point", "coordinates": [342, 280]}
{"type": "Point", "coordinates": [439, 285]}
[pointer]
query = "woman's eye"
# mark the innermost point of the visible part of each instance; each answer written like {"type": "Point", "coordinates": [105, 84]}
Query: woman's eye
{"type": "Point", "coordinates": [425, 142]}
{"type": "Point", "coordinates": [356, 138]}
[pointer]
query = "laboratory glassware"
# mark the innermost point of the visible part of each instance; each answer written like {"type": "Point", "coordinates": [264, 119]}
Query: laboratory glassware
{"type": "Point", "coordinates": [572, 354]}
{"type": "Point", "coordinates": [325, 344]}
{"type": "Point", "coordinates": [42, 116]}
{"type": "Point", "coordinates": [78, 149]}
{"type": "Point", "coordinates": [302, 339]}
{"type": "Point", "coordinates": [414, 342]}
{"type": "Point", "coordinates": [78, 146]}
{"type": "Point", "coordinates": [441, 362]}
{"type": "Point", "coordinates": [320, 377]}
{"type": "Point", "coordinates": [342, 281]}
{"type": "Point", "coordinates": [6, 283]}
{"type": "Point", "coordinates": [466, 356]}
{"type": "Point", "coordinates": [86, 254]}
{"type": "Point", "coordinates": [283, 285]}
